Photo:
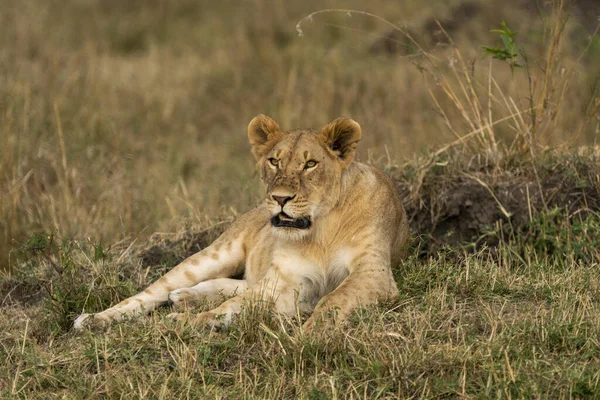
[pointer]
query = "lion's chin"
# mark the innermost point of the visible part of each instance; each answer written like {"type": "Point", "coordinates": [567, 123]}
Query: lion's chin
{"type": "Point", "coordinates": [282, 220]}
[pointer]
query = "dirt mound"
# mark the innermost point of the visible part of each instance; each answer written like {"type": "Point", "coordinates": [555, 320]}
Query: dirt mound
{"type": "Point", "coordinates": [170, 249]}
{"type": "Point", "coordinates": [462, 202]}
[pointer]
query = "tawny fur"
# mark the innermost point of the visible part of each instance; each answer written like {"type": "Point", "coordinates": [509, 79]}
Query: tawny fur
{"type": "Point", "coordinates": [344, 260]}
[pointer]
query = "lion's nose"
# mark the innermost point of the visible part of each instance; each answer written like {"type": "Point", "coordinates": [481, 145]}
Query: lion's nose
{"type": "Point", "coordinates": [282, 199]}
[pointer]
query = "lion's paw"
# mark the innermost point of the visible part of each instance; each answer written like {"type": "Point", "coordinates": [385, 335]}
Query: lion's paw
{"type": "Point", "coordinates": [204, 318]}
{"type": "Point", "coordinates": [319, 325]}
{"type": "Point", "coordinates": [78, 324]}
{"type": "Point", "coordinates": [177, 316]}
{"type": "Point", "coordinates": [178, 296]}
{"type": "Point", "coordinates": [96, 321]}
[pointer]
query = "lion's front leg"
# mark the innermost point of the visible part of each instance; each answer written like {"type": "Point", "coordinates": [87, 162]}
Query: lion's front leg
{"type": "Point", "coordinates": [370, 280]}
{"type": "Point", "coordinates": [286, 295]}
{"type": "Point", "coordinates": [222, 259]}
{"type": "Point", "coordinates": [211, 290]}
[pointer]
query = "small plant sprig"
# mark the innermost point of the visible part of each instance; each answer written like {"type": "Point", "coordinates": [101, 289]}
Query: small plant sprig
{"type": "Point", "coordinates": [509, 53]}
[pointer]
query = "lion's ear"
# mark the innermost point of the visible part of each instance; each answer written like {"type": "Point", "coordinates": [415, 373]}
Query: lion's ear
{"type": "Point", "coordinates": [341, 136]}
{"type": "Point", "coordinates": [263, 134]}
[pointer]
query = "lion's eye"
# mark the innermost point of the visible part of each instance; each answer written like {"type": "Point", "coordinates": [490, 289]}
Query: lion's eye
{"type": "Point", "coordinates": [310, 164]}
{"type": "Point", "coordinates": [274, 162]}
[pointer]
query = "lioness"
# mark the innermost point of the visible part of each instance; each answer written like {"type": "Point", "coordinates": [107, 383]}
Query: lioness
{"type": "Point", "coordinates": [325, 238]}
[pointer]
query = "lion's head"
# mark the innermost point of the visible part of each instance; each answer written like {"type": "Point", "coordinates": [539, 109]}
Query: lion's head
{"type": "Point", "coordinates": [302, 169]}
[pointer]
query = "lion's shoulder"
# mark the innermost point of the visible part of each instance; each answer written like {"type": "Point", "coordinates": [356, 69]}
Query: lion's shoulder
{"type": "Point", "coordinates": [370, 182]}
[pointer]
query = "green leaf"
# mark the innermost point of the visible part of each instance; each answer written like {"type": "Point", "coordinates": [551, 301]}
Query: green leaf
{"type": "Point", "coordinates": [99, 253]}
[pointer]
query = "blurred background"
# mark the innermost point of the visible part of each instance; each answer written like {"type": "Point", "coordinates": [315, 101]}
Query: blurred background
{"type": "Point", "coordinates": [122, 118]}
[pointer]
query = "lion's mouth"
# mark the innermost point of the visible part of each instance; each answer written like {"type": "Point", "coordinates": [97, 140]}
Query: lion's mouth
{"type": "Point", "coordinates": [282, 220]}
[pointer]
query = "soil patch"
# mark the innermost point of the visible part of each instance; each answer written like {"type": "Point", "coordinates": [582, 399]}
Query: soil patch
{"type": "Point", "coordinates": [460, 204]}
{"type": "Point", "coordinates": [170, 249]}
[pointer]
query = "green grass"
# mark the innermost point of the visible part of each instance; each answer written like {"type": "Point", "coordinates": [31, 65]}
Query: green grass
{"type": "Point", "coordinates": [520, 321]}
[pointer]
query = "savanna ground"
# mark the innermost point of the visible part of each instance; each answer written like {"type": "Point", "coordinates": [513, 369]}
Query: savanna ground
{"type": "Point", "coordinates": [123, 150]}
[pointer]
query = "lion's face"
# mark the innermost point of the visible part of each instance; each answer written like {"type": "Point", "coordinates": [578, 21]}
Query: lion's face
{"type": "Point", "coordinates": [302, 180]}
{"type": "Point", "coordinates": [302, 170]}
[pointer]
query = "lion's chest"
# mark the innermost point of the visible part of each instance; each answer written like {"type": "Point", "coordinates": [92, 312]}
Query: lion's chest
{"type": "Point", "coordinates": [315, 270]}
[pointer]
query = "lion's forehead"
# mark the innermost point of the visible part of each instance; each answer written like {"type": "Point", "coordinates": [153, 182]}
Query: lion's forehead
{"type": "Point", "coordinates": [300, 146]}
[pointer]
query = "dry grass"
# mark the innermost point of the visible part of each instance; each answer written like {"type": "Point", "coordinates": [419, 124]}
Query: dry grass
{"type": "Point", "coordinates": [121, 119]}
